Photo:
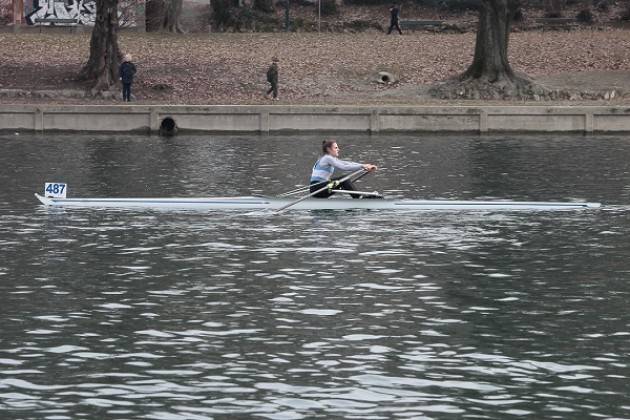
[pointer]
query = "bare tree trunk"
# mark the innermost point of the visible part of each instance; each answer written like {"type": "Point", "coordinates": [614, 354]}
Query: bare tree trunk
{"type": "Point", "coordinates": [105, 56]}
{"type": "Point", "coordinates": [154, 15]}
{"type": "Point", "coordinates": [18, 11]}
{"type": "Point", "coordinates": [164, 15]}
{"type": "Point", "coordinates": [490, 75]}
{"type": "Point", "coordinates": [491, 56]}
{"type": "Point", "coordinates": [172, 16]}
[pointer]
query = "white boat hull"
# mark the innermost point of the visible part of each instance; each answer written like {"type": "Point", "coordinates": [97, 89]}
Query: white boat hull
{"type": "Point", "coordinates": [268, 203]}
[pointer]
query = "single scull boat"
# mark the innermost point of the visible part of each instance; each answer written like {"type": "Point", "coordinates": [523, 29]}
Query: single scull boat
{"type": "Point", "coordinates": [273, 203]}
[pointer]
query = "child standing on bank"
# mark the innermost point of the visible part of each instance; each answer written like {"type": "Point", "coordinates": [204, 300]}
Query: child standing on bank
{"type": "Point", "coordinates": [272, 78]}
{"type": "Point", "coordinates": [126, 72]}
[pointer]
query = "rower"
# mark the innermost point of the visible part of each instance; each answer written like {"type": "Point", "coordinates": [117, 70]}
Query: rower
{"type": "Point", "coordinates": [326, 165]}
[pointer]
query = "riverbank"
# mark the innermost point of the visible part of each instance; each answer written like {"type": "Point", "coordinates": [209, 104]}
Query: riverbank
{"type": "Point", "coordinates": [335, 69]}
{"type": "Point", "coordinates": [265, 119]}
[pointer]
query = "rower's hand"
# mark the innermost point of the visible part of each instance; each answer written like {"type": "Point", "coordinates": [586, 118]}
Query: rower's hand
{"type": "Point", "coordinates": [369, 167]}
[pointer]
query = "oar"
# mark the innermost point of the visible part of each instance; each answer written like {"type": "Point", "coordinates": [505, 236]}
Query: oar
{"type": "Point", "coordinates": [331, 185]}
{"type": "Point", "coordinates": [295, 191]}
{"type": "Point", "coordinates": [361, 176]}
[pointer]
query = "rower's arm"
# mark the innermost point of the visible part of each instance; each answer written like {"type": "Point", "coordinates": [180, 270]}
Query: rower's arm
{"type": "Point", "coordinates": [344, 165]}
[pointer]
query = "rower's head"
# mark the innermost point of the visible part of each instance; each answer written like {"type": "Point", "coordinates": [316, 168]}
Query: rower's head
{"type": "Point", "coordinates": [330, 147]}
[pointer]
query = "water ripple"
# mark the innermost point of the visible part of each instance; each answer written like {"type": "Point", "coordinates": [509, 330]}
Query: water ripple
{"type": "Point", "coordinates": [196, 315]}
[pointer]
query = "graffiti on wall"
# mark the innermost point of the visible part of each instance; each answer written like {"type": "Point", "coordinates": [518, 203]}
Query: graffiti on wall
{"type": "Point", "coordinates": [79, 12]}
{"type": "Point", "coordinates": [82, 12]}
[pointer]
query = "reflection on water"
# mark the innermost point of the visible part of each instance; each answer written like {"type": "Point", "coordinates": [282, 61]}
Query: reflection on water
{"type": "Point", "coordinates": [367, 315]}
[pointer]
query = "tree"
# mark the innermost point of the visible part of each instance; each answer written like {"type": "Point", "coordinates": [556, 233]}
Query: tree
{"type": "Point", "coordinates": [173, 15]}
{"type": "Point", "coordinates": [164, 15]}
{"type": "Point", "coordinates": [490, 75]}
{"type": "Point", "coordinates": [222, 13]}
{"type": "Point", "coordinates": [491, 48]}
{"type": "Point", "coordinates": [101, 70]}
{"type": "Point", "coordinates": [264, 5]}
{"type": "Point", "coordinates": [553, 8]}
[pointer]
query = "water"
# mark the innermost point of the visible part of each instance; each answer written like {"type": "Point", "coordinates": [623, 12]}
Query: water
{"type": "Point", "coordinates": [364, 315]}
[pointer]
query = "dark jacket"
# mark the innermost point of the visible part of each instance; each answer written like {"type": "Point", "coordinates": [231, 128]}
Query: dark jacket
{"type": "Point", "coordinates": [272, 73]}
{"type": "Point", "coordinates": [395, 13]}
{"type": "Point", "coordinates": [127, 71]}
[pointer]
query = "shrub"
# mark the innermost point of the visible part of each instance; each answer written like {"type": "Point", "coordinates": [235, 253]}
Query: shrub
{"type": "Point", "coordinates": [360, 25]}
{"type": "Point", "coordinates": [368, 2]}
{"type": "Point", "coordinates": [264, 5]}
{"type": "Point", "coordinates": [553, 14]}
{"type": "Point", "coordinates": [455, 5]}
{"type": "Point", "coordinates": [227, 15]}
{"type": "Point", "coordinates": [329, 7]}
{"type": "Point", "coordinates": [603, 6]}
{"type": "Point", "coordinates": [553, 8]}
{"type": "Point", "coordinates": [585, 16]}
{"type": "Point", "coordinates": [460, 5]}
{"type": "Point", "coordinates": [299, 24]}
{"type": "Point", "coordinates": [222, 11]}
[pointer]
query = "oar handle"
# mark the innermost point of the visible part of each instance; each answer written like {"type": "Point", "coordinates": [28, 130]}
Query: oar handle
{"type": "Point", "coordinates": [295, 191]}
{"type": "Point", "coordinates": [331, 184]}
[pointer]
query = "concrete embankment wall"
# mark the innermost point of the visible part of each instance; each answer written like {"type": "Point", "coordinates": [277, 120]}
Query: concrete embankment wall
{"type": "Point", "coordinates": [281, 118]}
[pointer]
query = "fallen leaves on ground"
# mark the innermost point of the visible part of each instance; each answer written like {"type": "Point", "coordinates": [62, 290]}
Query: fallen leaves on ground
{"type": "Point", "coordinates": [222, 68]}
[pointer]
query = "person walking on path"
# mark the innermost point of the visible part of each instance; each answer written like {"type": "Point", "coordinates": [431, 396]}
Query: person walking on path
{"type": "Point", "coordinates": [394, 21]}
{"type": "Point", "coordinates": [272, 78]}
{"type": "Point", "coordinates": [325, 167]}
{"type": "Point", "coordinates": [126, 72]}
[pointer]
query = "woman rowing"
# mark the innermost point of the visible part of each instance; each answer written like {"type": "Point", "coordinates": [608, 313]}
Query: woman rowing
{"type": "Point", "coordinates": [326, 165]}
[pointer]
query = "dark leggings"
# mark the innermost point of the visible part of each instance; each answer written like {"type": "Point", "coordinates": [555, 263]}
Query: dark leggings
{"type": "Point", "coordinates": [392, 25]}
{"type": "Point", "coordinates": [274, 89]}
{"type": "Point", "coordinates": [126, 92]}
{"type": "Point", "coordinates": [345, 185]}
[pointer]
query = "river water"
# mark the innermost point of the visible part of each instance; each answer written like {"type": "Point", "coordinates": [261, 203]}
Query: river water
{"type": "Point", "coordinates": [359, 315]}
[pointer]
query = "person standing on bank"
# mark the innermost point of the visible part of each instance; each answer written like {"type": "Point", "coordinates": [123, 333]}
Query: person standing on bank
{"type": "Point", "coordinates": [272, 78]}
{"type": "Point", "coordinates": [394, 21]}
{"type": "Point", "coordinates": [326, 165]}
{"type": "Point", "coordinates": [126, 72]}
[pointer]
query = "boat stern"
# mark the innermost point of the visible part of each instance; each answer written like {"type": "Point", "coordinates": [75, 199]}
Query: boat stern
{"type": "Point", "coordinates": [44, 200]}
